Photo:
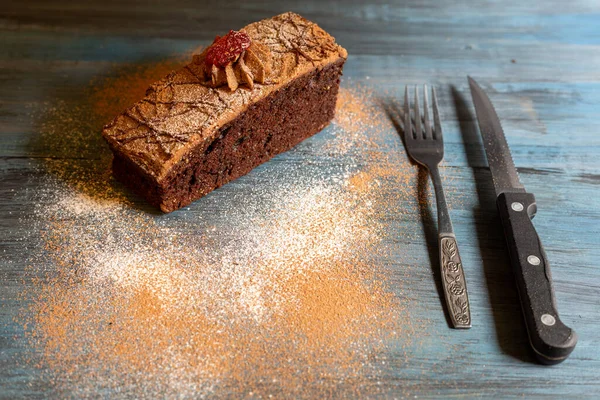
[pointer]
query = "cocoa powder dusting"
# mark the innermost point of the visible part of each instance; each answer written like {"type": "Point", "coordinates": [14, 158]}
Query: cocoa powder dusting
{"type": "Point", "coordinates": [285, 293]}
{"type": "Point", "coordinates": [112, 95]}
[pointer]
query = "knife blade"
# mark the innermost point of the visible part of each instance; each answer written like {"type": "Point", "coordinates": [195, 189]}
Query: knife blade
{"type": "Point", "coordinates": [551, 340]}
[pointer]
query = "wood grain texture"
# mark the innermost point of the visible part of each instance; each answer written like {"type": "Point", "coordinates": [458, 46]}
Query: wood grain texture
{"type": "Point", "coordinates": [539, 61]}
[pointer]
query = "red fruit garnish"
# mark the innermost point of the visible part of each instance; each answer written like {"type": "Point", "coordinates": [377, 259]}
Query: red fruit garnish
{"type": "Point", "coordinates": [225, 49]}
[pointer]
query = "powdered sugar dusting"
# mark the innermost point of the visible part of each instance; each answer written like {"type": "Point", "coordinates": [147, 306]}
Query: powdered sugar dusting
{"type": "Point", "coordinates": [283, 283]}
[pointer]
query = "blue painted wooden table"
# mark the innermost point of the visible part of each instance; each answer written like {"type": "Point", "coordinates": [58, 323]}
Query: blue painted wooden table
{"type": "Point", "coordinates": [539, 61]}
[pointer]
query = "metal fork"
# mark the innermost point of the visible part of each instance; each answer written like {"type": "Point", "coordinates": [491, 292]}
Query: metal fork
{"type": "Point", "coordinates": [426, 146]}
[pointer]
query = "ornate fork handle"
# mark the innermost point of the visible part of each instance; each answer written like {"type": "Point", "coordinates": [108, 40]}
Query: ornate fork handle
{"type": "Point", "coordinates": [453, 280]}
{"type": "Point", "coordinates": [453, 276]}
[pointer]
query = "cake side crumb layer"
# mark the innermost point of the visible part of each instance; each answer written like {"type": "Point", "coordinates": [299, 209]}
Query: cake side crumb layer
{"type": "Point", "coordinates": [267, 128]}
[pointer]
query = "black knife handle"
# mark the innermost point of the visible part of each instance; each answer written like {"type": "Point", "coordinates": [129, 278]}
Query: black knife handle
{"type": "Point", "coordinates": [551, 340]}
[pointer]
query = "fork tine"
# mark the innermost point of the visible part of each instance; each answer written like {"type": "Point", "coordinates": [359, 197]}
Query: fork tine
{"type": "Point", "coordinates": [427, 132]}
{"type": "Point", "coordinates": [417, 112]}
{"type": "Point", "coordinates": [436, 115]}
{"type": "Point", "coordinates": [408, 134]}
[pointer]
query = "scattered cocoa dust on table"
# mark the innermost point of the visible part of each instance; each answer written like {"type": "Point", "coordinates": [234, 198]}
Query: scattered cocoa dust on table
{"type": "Point", "coordinates": [287, 296]}
{"type": "Point", "coordinates": [367, 133]}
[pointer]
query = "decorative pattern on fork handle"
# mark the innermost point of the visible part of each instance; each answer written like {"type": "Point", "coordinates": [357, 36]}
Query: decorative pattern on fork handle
{"type": "Point", "coordinates": [453, 280]}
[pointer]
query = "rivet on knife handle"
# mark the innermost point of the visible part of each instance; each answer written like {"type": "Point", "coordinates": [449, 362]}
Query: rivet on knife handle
{"type": "Point", "coordinates": [455, 285]}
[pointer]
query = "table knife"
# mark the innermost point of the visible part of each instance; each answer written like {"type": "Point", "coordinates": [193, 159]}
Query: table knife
{"type": "Point", "coordinates": [551, 340]}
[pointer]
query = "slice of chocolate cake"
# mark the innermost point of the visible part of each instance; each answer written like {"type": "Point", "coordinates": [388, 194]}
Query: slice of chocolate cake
{"type": "Point", "coordinates": [249, 96]}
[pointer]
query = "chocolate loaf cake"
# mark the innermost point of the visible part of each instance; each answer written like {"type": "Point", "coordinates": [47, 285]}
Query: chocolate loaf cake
{"type": "Point", "coordinates": [249, 96]}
